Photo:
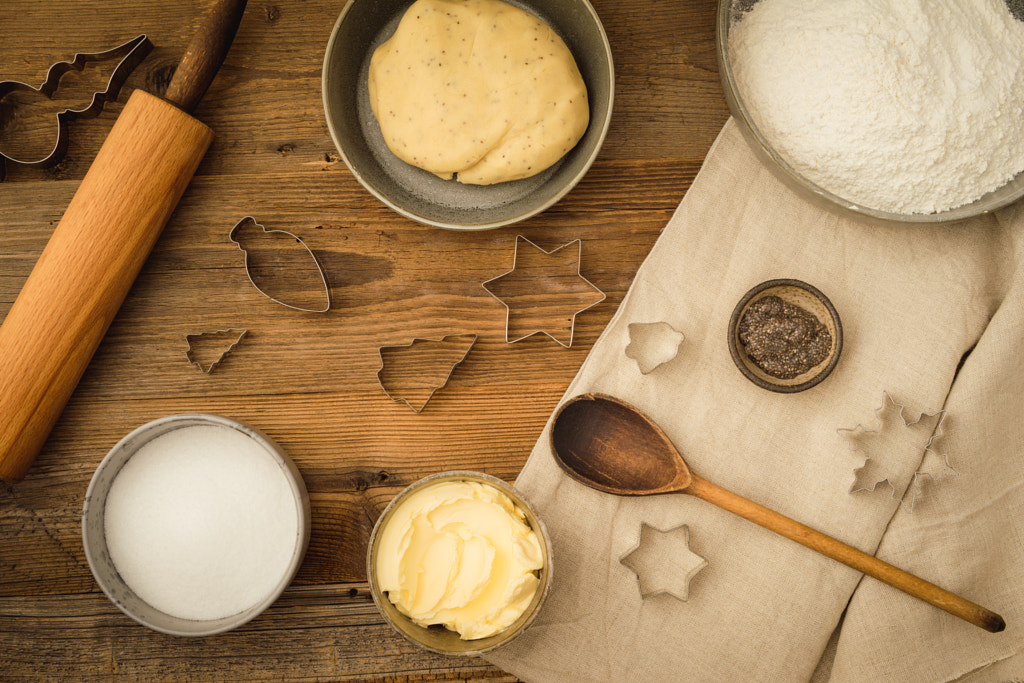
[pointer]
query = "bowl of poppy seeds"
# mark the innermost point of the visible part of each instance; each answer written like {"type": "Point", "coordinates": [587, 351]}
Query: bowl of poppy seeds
{"type": "Point", "coordinates": [785, 335]}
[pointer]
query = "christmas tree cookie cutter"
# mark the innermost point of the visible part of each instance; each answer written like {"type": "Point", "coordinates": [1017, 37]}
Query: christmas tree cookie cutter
{"type": "Point", "coordinates": [130, 55]}
{"type": "Point", "coordinates": [412, 373]}
{"type": "Point", "coordinates": [215, 347]}
{"type": "Point", "coordinates": [544, 292]}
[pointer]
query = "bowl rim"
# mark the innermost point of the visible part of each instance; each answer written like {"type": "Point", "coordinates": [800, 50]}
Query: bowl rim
{"type": "Point", "coordinates": [805, 187]}
{"type": "Point", "coordinates": [469, 227]}
{"type": "Point", "coordinates": [740, 359]}
{"type": "Point", "coordinates": [499, 639]}
{"type": "Point", "coordinates": [95, 502]}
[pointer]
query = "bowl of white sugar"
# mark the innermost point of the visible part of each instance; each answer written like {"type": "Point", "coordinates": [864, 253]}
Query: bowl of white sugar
{"type": "Point", "coordinates": [193, 524]}
{"type": "Point", "coordinates": [887, 110]}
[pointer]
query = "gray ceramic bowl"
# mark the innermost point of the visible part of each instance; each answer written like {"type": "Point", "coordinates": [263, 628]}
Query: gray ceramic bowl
{"type": "Point", "coordinates": [94, 539]}
{"type": "Point", "coordinates": [422, 196]}
{"type": "Point", "coordinates": [728, 10]}
{"type": "Point", "coordinates": [437, 638]}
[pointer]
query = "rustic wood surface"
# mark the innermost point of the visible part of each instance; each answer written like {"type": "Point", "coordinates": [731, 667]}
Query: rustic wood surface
{"type": "Point", "coordinates": [307, 379]}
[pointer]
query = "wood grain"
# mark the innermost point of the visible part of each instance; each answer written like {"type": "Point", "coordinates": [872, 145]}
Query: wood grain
{"type": "Point", "coordinates": [309, 380]}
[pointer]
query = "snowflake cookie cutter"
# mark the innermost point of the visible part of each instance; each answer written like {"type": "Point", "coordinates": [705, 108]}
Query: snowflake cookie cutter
{"type": "Point", "coordinates": [281, 262]}
{"type": "Point", "coordinates": [652, 345]}
{"type": "Point", "coordinates": [544, 292]}
{"type": "Point", "coordinates": [232, 335]}
{"type": "Point", "coordinates": [934, 466]}
{"type": "Point", "coordinates": [441, 356]}
{"type": "Point", "coordinates": [663, 562]}
{"type": "Point", "coordinates": [130, 55]}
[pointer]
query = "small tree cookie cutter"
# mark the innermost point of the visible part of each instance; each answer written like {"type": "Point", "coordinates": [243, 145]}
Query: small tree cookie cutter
{"type": "Point", "coordinates": [191, 339]}
{"type": "Point", "coordinates": [131, 55]}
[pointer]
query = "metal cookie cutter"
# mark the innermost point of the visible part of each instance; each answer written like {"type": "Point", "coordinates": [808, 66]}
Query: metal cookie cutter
{"type": "Point", "coordinates": [652, 345]}
{"type": "Point", "coordinates": [279, 259]}
{"type": "Point", "coordinates": [546, 291]}
{"type": "Point", "coordinates": [896, 433]}
{"type": "Point", "coordinates": [131, 55]}
{"type": "Point", "coordinates": [663, 562]}
{"type": "Point", "coordinates": [431, 361]}
{"type": "Point", "coordinates": [232, 336]}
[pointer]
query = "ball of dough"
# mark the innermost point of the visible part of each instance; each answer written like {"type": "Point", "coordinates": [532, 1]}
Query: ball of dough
{"type": "Point", "coordinates": [478, 89]}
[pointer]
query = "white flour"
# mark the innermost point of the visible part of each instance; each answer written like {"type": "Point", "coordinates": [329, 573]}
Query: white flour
{"type": "Point", "coordinates": [906, 106]}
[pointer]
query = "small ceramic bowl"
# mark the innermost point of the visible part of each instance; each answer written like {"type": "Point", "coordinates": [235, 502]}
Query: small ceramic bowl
{"type": "Point", "coordinates": [94, 532]}
{"type": "Point", "coordinates": [437, 638]}
{"type": "Point", "coordinates": [728, 12]}
{"type": "Point", "coordinates": [811, 300]}
{"type": "Point", "coordinates": [417, 194]}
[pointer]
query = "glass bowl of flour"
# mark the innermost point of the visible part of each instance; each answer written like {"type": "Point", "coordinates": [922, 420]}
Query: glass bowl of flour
{"type": "Point", "coordinates": [910, 112]}
{"type": "Point", "coordinates": [193, 524]}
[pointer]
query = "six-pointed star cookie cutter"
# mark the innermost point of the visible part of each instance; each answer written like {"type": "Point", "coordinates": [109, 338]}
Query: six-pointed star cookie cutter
{"type": "Point", "coordinates": [654, 575]}
{"type": "Point", "coordinates": [508, 309]}
{"type": "Point", "coordinates": [131, 55]}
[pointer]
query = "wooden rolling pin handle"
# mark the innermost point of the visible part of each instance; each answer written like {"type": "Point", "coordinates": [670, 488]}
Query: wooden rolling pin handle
{"type": "Point", "coordinates": [87, 267]}
{"type": "Point", "coordinates": [205, 54]}
{"type": "Point", "coordinates": [847, 554]}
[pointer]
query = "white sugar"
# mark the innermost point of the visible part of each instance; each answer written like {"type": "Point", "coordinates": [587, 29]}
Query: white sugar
{"type": "Point", "coordinates": [201, 522]}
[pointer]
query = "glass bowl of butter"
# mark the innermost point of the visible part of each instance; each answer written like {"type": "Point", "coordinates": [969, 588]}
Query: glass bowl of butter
{"type": "Point", "coordinates": [458, 563]}
{"type": "Point", "coordinates": [492, 119]}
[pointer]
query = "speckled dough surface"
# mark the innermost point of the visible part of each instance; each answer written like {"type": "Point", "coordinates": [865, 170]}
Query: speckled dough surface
{"type": "Point", "coordinates": [477, 89]}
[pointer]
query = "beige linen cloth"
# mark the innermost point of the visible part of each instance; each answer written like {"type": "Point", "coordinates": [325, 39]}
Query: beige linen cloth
{"type": "Point", "coordinates": [913, 301]}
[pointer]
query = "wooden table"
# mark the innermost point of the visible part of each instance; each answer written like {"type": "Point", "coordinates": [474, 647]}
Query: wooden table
{"type": "Point", "coordinates": [309, 380]}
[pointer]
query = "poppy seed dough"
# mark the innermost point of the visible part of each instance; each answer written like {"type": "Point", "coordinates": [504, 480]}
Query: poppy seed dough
{"type": "Point", "coordinates": [477, 89]}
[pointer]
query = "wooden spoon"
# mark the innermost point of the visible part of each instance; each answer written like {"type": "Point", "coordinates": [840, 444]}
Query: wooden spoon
{"type": "Point", "coordinates": [611, 446]}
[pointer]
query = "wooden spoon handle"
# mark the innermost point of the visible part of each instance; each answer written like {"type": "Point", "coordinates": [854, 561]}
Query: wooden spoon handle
{"type": "Point", "coordinates": [848, 555]}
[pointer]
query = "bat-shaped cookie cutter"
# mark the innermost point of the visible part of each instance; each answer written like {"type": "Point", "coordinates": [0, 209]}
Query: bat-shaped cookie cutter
{"type": "Point", "coordinates": [131, 55]}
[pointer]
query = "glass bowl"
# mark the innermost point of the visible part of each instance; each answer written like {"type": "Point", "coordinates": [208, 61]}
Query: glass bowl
{"type": "Point", "coordinates": [728, 11]}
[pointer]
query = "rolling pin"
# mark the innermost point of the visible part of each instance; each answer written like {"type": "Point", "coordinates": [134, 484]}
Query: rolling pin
{"type": "Point", "coordinates": [96, 251]}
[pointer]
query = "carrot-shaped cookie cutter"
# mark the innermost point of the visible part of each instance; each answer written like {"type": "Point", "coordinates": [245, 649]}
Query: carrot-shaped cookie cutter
{"type": "Point", "coordinates": [278, 262]}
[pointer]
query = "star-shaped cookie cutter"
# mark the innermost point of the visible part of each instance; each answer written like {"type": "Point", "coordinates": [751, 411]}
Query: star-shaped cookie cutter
{"type": "Point", "coordinates": [663, 562]}
{"type": "Point", "coordinates": [131, 55]}
{"type": "Point", "coordinates": [534, 280]}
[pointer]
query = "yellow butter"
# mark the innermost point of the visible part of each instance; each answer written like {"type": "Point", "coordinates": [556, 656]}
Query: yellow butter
{"type": "Point", "coordinates": [479, 89]}
{"type": "Point", "coordinates": [460, 554]}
